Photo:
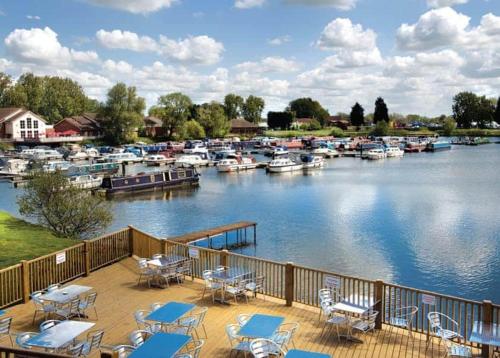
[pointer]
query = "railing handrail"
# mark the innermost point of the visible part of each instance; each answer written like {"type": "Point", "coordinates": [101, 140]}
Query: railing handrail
{"type": "Point", "coordinates": [10, 267]}
{"type": "Point", "coordinates": [333, 273]}
{"type": "Point", "coordinates": [55, 253]}
{"type": "Point", "coordinates": [108, 235]}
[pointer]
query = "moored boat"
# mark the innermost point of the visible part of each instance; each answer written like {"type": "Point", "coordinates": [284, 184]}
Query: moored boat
{"type": "Point", "coordinates": [375, 154]}
{"type": "Point", "coordinates": [85, 181]}
{"type": "Point", "coordinates": [52, 166]}
{"type": "Point", "coordinates": [438, 146]}
{"type": "Point", "coordinates": [394, 152]}
{"type": "Point", "coordinates": [122, 158]}
{"type": "Point", "coordinates": [97, 168]}
{"type": "Point", "coordinates": [327, 151]}
{"type": "Point", "coordinates": [279, 152]}
{"type": "Point", "coordinates": [283, 165]}
{"type": "Point", "coordinates": [310, 161]}
{"type": "Point", "coordinates": [195, 160]}
{"type": "Point", "coordinates": [236, 163]}
{"type": "Point", "coordinates": [169, 179]}
{"type": "Point", "coordinates": [152, 160]}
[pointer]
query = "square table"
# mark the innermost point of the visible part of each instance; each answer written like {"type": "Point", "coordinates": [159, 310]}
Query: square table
{"type": "Point", "coordinates": [261, 326]}
{"type": "Point", "coordinates": [65, 294]}
{"type": "Point", "coordinates": [2, 312]}
{"type": "Point", "coordinates": [161, 345]}
{"type": "Point", "coordinates": [59, 335]}
{"type": "Point", "coordinates": [170, 312]}
{"type": "Point", "coordinates": [486, 334]}
{"type": "Point", "coordinates": [362, 305]}
{"type": "Point", "coordinates": [297, 353]}
{"type": "Point", "coordinates": [230, 275]}
{"type": "Point", "coordinates": [167, 260]}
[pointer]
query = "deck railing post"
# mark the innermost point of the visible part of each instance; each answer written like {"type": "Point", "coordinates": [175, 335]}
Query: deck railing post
{"type": "Point", "coordinates": [86, 257]}
{"type": "Point", "coordinates": [131, 239]}
{"type": "Point", "coordinates": [25, 268]}
{"type": "Point", "coordinates": [289, 281]}
{"type": "Point", "coordinates": [223, 258]}
{"type": "Point", "coordinates": [487, 319]}
{"type": "Point", "coordinates": [379, 303]}
{"type": "Point", "coordinates": [164, 247]}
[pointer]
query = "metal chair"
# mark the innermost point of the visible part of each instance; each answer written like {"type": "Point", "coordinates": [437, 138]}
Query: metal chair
{"type": "Point", "coordinates": [210, 284]}
{"type": "Point", "coordinates": [138, 337]}
{"type": "Point", "coordinates": [145, 271]}
{"type": "Point", "coordinates": [122, 350]}
{"type": "Point", "coordinates": [256, 286]}
{"type": "Point", "coordinates": [53, 287]}
{"type": "Point", "coordinates": [327, 298]}
{"type": "Point", "coordinates": [88, 303]}
{"type": "Point", "coordinates": [337, 321]}
{"type": "Point", "coordinates": [23, 337]}
{"type": "Point", "coordinates": [264, 348]}
{"type": "Point", "coordinates": [93, 342]}
{"type": "Point", "coordinates": [365, 323]}
{"type": "Point", "coordinates": [41, 306]}
{"type": "Point", "coordinates": [142, 324]}
{"type": "Point", "coordinates": [403, 318]}
{"type": "Point", "coordinates": [440, 324]}
{"type": "Point", "coordinates": [184, 269]}
{"type": "Point", "coordinates": [169, 273]}
{"type": "Point", "coordinates": [196, 319]}
{"type": "Point", "coordinates": [155, 306]}
{"type": "Point", "coordinates": [243, 318]}
{"type": "Point", "coordinates": [236, 342]}
{"type": "Point", "coordinates": [48, 324]}
{"type": "Point", "coordinates": [157, 256]}
{"type": "Point", "coordinates": [192, 349]}
{"type": "Point", "coordinates": [75, 350]}
{"type": "Point", "coordinates": [237, 290]}
{"type": "Point", "coordinates": [282, 339]}
{"type": "Point", "coordinates": [291, 327]}
{"type": "Point", "coordinates": [457, 350]}
{"type": "Point", "coordinates": [5, 325]}
{"type": "Point", "coordinates": [69, 309]}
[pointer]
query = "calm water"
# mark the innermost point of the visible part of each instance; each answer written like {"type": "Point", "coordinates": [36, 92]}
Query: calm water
{"type": "Point", "coordinates": [429, 220]}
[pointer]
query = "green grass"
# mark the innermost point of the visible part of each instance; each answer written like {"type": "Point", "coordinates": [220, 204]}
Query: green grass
{"type": "Point", "coordinates": [20, 240]}
{"type": "Point", "coordinates": [351, 132]}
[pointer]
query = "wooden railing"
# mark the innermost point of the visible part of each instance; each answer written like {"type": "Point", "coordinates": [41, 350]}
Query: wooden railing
{"type": "Point", "coordinates": [7, 352]}
{"type": "Point", "coordinates": [10, 288]}
{"type": "Point", "coordinates": [108, 248]}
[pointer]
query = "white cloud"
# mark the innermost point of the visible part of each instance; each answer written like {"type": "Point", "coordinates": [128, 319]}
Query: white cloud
{"type": "Point", "coordinates": [119, 39]}
{"type": "Point", "coordinates": [436, 28]}
{"type": "Point", "coordinates": [33, 17]}
{"type": "Point", "coordinates": [339, 4]}
{"type": "Point", "coordinates": [4, 64]}
{"type": "Point", "coordinates": [41, 46]}
{"type": "Point", "coordinates": [269, 64]}
{"type": "Point", "coordinates": [342, 33]}
{"type": "Point", "coordinates": [135, 6]}
{"type": "Point", "coordinates": [444, 3]}
{"type": "Point", "coordinates": [119, 67]}
{"type": "Point", "coordinates": [280, 40]}
{"type": "Point", "coordinates": [248, 4]}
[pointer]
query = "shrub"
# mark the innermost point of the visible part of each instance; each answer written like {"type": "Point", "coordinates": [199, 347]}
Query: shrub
{"type": "Point", "coordinates": [381, 129]}
{"type": "Point", "coordinates": [337, 132]}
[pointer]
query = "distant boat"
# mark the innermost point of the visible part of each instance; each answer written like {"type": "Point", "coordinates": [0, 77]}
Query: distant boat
{"type": "Point", "coordinates": [97, 168]}
{"type": "Point", "coordinates": [236, 163]}
{"type": "Point", "coordinates": [169, 179]}
{"type": "Point", "coordinates": [279, 152]}
{"type": "Point", "coordinates": [375, 154]}
{"type": "Point", "coordinates": [78, 156]}
{"type": "Point", "coordinates": [195, 147]}
{"type": "Point", "coordinates": [152, 160]}
{"type": "Point", "coordinates": [310, 161]}
{"type": "Point", "coordinates": [122, 158]}
{"type": "Point", "coordinates": [15, 167]}
{"type": "Point", "coordinates": [85, 181]}
{"type": "Point", "coordinates": [393, 152]}
{"type": "Point", "coordinates": [46, 154]}
{"type": "Point", "coordinates": [52, 166]}
{"type": "Point", "coordinates": [326, 150]}
{"type": "Point", "coordinates": [283, 165]}
{"type": "Point", "coordinates": [438, 146]}
{"type": "Point", "coordinates": [194, 160]}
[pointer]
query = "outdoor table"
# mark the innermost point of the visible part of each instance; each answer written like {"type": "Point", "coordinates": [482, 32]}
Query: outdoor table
{"type": "Point", "coordinates": [297, 353]}
{"type": "Point", "coordinates": [362, 305]}
{"type": "Point", "coordinates": [65, 294]}
{"type": "Point", "coordinates": [165, 261]}
{"type": "Point", "coordinates": [59, 335]}
{"type": "Point", "coordinates": [2, 312]}
{"type": "Point", "coordinates": [261, 326]}
{"type": "Point", "coordinates": [487, 334]}
{"type": "Point", "coordinates": [229, 276]}
{"type": "Point", "coordinates": [161, 345]}
{"type": "Point", "coordinates": [170, 313]}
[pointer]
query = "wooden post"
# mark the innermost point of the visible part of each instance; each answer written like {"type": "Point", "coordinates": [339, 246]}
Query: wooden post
{"type": "Point", "coordinates": [255, 235]}
{"type": "Point", "coordinates": [164, 247]}
{"type": "Point", "coordinates": [25, 270]}
{"type": "Point", "coordinates": [131, 239]}
{"type": "Point", "coordinates": [86, 256]}
{"type": "Point", "coordinates": [487, 319]}
{"type": "Point", "coordinates": [379, 304]}
{"type": "Point", "coordinates": [289, 281]}
{"type": "Point", "coordinates": [223, 257]}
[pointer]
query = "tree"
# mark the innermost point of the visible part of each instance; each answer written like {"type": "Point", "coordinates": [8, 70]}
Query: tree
{"type": "Point", "coordinates": [5, 83]}
{"type": "Point", "coordinates": [357, 116]}
{"type": "Point", "coordinates": [308, 108]}
{"type": "Point", "coordinates": [449, 126]}
{"type": "Point", "coordinates": [468, 109]}
{"type": "Point", "coordinates": [233, 105]}
{"type": "Point", "coordinates": [381, 111]}
{"type": "Point", "coordinates": [497, 112]}
{"type": "Point", "coordinates": [65, 209]}
{"type": "Point", "coordinates": [174, 110]}
{"type": "Point", "coordinates": [486, 112]}
{"type": "Point", "coordinates": [122, 114]}
{"type": "Point", "coordinates": [281, 120]}
{"type": "Point", "coordinates": [252, 109]}
{"type": "Point", "coordinates": [314, 125]}
{"type": "Point", "coordinates": [193, 130]}
{"type": "Point", "coordinates": [381, 129]}
{"type": "Point", "coordinates": [213, 119]}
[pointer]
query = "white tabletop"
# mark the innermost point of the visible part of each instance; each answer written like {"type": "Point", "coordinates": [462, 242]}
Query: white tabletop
{"type": "Point", "coordinates": [65, 294]}
{"type": "Point", "coordinates": [355, 304]}
{"type": "Point", "coordinates": [60, 334]}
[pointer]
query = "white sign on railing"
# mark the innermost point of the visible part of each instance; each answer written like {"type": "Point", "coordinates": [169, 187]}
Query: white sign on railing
{"type": "Point", "coordinates": [61, 258]}
{"type": "Point", "coordinates": [428, 299]}
{"type": "Point", "coordinates": [331, 282]}
{"type": "Point", "coordinates": [194, 253]}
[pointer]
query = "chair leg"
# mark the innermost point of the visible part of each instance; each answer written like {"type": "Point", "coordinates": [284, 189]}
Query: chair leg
{"type": "Point", "coordinates": [34, 316]}
{"type": "Point", "coordinates": [204, 330]}
{"type": "Point", "coordinates": [96, 316]}
{"type": "Point", "coordinates": [139, 281]}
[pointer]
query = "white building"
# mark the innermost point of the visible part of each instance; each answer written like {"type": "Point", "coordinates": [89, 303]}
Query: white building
{"type": "Point", "coordinates": [21, 125]}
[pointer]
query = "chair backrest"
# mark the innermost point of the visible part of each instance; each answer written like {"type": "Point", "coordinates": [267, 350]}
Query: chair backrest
{"type": "Point", "coordinates": [35, 296]}
{"type": "Point", "coordinates": [91, 298]}
{"type": "Point", "coordinates": [142, 264]}
{"type": "Point", "coordinates": [291, 327]}
{"type": "Point", "coordinates": [155, 306]}
{"type": "Point", "coordinates": [259, 281]}
{"type": "Point", "coordinates": [243, 318]}
{"type": "Point", "coordinates": [75, 351]}
{"type": "Point", "coordinates": [123, 350]}
{"type": "Point", "coordinates": [48, 324]}
{"type": "Point", "coordinates": [74, 305]}
{"type": "Point", "coordinates": [220, 268]}
{"type": "Point", "coordinates": [232, 331]}
{"type": "Point", "coordinates": [370, 318]}
{"type": "Point", "coordinates": [52, 287]}
{"type": "Point", "coordinates": [95, 338]}
{"type": "Point", "coordinates": [21, 338]}
{"type": "Point", "coordinates": [140, 316]}
{"type": "Point", "coordinates": [199, 313]}
{"type": "Point", "coordinates": [157, 256]}
{"type": "Point", "coordinates": [263, 348]}
{"type": "Point", "coordinates": [435, 320]}
{"type": "Point", "coordinates": [5, 324]}
{"type": "Point", "coordinates": [194, 347]}
{"type": "Point", "coordinates": [207, 274]}
{"type": "Point", "coordinates": [138, 337]}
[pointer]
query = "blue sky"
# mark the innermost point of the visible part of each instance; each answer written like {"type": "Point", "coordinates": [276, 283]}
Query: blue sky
{"type": "Point", "coordinates": [415, 53]}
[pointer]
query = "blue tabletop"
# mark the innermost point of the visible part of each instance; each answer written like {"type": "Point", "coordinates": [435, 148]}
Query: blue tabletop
{"type": "Point", "coordinates": [161, 345]}
{"type": "Point", "coordinates": [2, 312]}
{"type": "Point", "coordinates": [59, 335]}
{"type": "Point", "coordinates": [170, 312]}
{"type": "Point", "coordinates": [261, 326]}
{"type": "Point", "coordinates": [296, 353]}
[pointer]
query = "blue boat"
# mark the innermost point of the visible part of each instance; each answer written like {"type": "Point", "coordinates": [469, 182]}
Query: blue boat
{"type": "Point", "coordinates": [438, 146]}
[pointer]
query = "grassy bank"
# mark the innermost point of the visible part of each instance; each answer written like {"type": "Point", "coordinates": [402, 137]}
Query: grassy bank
{"type": "Point", "coordinates": [347, 133]}
{"type": "Point", "coordinates": [20, 240]}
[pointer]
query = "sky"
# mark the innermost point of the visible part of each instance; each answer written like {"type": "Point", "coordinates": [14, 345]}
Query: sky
{"type": "Point", "coordinates": [416, 54]}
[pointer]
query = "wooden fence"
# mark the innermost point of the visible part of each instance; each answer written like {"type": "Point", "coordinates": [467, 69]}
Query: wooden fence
{"type": "Point", "coordinates": [285, 281]}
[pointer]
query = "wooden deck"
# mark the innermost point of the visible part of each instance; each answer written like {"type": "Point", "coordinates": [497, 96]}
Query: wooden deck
{"type": "Point", "coordinates": [119, 297]}
{"type": "Point", "coordinates": [203, 234]}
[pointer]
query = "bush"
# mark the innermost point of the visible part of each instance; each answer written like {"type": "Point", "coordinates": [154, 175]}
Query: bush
{"type": "Point", "coordinates": [449, 126]}
{"type": "Point", "coordinates": [193, 130]}
{"type": "Point", "coordinates": [314, 125]}
{"type": "Point", "coordinates": [381, 129]}
{"type": "Point", "coordinates": [337, 132]}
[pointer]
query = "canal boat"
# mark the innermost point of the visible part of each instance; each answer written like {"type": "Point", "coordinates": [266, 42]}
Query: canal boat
{"type": "Point", "coordinates": [194, 160]}
{"type": "Point", "coordinates": [122, 158]}
{"type": "Point", "coordinates": [169, 179]}
{"type": "Point", "coordinates": [236, 163]}
{"type": "Point", "coordinates": [310, 161]}
{"type": "Point", "coordinates": [85, 181]}
{"type": "Point", "coordinates": [283, 165]}
{"type": "Point", "coordinates": [438, 146]}
{"type": "Point", "coordinates": [153, 160]}
{"type": "Point", "coordinates": [375, 154]}
{"type": "Point", "coordinates": [394, 152]}
{"type": "Point", "coordinates": [54, 165]}
{"type": "Point", "coordinates": [415, 147]}
{"type": "Point", "coordinates": [97, 169]}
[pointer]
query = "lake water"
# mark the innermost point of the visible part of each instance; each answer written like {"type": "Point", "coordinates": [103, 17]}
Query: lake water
{"type": "Point", "coordinates": [428, 220]}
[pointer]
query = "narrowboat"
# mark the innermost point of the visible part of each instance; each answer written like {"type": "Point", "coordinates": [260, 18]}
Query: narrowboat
{"type": "Point", "coordinates": [438, 146]}
{"type": "Point", "coordinates": [169, 179]}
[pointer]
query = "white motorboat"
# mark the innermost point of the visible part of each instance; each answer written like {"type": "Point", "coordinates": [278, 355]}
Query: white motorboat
{"type": "Point", "coordinates": [123, 158]}
{"type": "Point", "coordinates": [376, 153]}
{"type": "Point", "coordinates": [236, 164]}
{"type": "Point", "coordinates": [279, 151]}
{"type": "Point", "coordinates": [78, 156]}
{"type": "Point", "coordinates": [152, 160]}
{"type": "Point", "coordinates": [15, 167]}
{"type": "Point", "coordinates": [283, 165]}
{"type": "Point", "coordinates": [326, 152]}
{"type": "Point", "coordinates": [186, 161]}
{"type": "Point", "coordinates": [92, 152]}
{"type": "Point", "coordinates": [310, 161]}
{"type": "Point", "coordinates": [393, 152]}
{"type": "Point", "coordinates": [46, 154]}
{"type": "Point", "coordinates": [85, 181]}
{"type": "Point", "coordinates": [52, 166]}
{"type": "Point", "coordinates": [195, 148]}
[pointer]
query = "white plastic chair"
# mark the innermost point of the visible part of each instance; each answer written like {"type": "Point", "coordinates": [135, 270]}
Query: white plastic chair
{"type": "Point", "coordinates": [264, 348]}
{"type": "Point", "coordinates": [236, 342]}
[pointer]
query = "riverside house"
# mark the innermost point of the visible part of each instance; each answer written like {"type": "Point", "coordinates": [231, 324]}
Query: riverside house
{"type": "Point", "coordinates": [85, 125]}
{"type": "Point", "coordinates": [22, 125]}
